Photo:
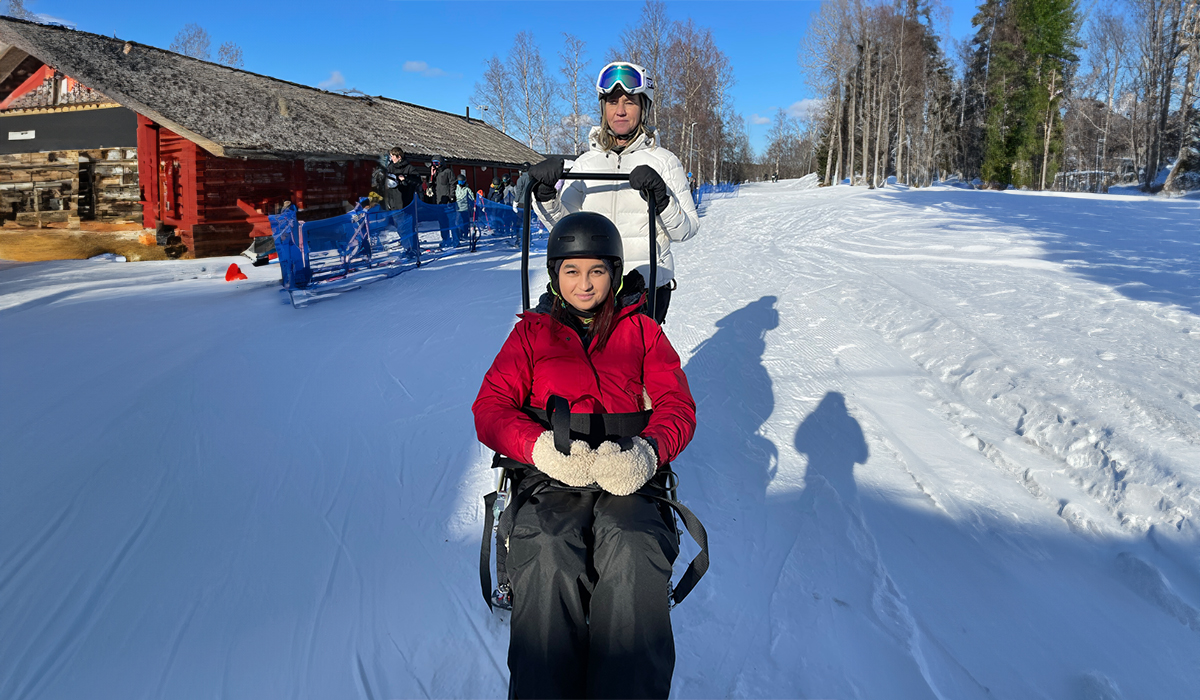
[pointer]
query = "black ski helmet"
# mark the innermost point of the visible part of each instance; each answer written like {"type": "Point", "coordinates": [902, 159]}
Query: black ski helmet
{"type": "Point", "coordinates": [585, 234]}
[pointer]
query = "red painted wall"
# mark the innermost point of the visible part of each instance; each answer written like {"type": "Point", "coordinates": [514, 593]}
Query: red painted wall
{"type": "Point", "coordinates": [198, 193]}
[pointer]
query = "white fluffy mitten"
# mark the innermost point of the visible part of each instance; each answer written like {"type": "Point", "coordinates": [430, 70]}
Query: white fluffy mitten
{"type": "Point", "coordinates": [623, 471]}
{"type": "Point", "coordinates": [574, 469]}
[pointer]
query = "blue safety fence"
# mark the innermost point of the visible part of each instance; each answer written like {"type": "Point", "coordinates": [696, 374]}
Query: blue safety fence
{"type": "Point", "coordinates": [330, 256]}
{"type": "Point", "coordinates": [722, 190]}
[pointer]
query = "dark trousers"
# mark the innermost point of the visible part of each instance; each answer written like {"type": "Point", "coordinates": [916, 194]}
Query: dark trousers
{"type": "Point", "coordinates": [590, 575]}
{"type": "Point", "coordinates": [463, 227]}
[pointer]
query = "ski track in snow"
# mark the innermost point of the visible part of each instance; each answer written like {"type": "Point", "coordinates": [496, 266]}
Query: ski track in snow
{"type": "Point", "coordinates": [949, 447]}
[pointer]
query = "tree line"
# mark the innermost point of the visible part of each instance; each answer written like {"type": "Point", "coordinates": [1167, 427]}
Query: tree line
{"type": "Point", "coordinates": [692, 112]}
{"type": "Point", "coordinates": [1133, 104]}
{"type": "Point", "coordinates": [1045, 96]}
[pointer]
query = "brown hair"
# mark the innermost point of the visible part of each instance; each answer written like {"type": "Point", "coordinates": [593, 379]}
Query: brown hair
{"type": "Point", "coordinates": [397, 151]}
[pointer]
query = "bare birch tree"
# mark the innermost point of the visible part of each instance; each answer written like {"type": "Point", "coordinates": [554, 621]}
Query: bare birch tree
{"type": "Point", "coordinates": [528, 69]}
{"type": "Point", "coordinates": [576, 85]}
{"type": "Point", "coordinates": [1157, 37]}
{"type": "Point", "coordinates": [495, 93]}
{"type": "Point", "coordinates": [547, 117]}
{"type": "Point", "coordinates": [192, 41]}
{"type": "Point", "coordinates": [887, 91]}
{"type": "Point", "coordinates": [230, 54]}
{"type": "Point", "coordinates": [826, 54]}
{"type": "Point", "coordinates": [645, 43]}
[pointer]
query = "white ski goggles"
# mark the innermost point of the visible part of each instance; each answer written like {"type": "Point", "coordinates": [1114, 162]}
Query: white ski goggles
{"type": "Point", "coordinates": [630, 77]}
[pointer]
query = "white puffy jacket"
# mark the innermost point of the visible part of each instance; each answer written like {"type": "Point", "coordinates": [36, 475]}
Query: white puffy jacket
{"type": "Point", "coordinates": [625, 207]}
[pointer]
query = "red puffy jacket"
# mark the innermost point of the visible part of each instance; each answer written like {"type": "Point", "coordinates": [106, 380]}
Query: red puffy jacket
{"type": "Point", "coordinates": [543, 357]}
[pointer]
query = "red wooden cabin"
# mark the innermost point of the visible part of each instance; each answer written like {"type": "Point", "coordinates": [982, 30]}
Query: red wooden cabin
{"type": "Point", "coordinates": [220, 148]}
{"type": "Point", "coordinates": [216, 204]}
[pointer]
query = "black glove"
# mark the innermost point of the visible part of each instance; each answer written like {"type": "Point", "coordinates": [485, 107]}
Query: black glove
{"type": "Point", "coordinates": [646, 180]}
{"type": "Point", "coordinates": [545, 176]}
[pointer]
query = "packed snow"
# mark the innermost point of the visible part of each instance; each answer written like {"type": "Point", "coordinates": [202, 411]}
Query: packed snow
{"type": "Point", "coordinates": [948, 447]}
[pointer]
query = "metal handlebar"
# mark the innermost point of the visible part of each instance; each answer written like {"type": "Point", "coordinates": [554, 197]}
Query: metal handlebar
{"type": "Point", "coordinates": [609, 177]}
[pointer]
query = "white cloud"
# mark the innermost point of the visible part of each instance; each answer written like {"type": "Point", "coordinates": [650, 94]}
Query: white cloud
{"type": "Point", "coordinates": [805, 109]}
{"type": "Point", "coordinates": [423, 68]}
{"type": "Point", "coordinates": [336, 81]}
{"type": "Point", "coordinates": [755, 119]}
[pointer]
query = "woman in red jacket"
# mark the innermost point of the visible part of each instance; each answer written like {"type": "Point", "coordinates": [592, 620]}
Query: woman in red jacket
{"type": "Point", "coordinates": [590, 554]}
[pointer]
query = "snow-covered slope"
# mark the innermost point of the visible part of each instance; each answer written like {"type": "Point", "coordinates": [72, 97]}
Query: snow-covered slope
{"type": "Point", "coordinates": [949, 447]}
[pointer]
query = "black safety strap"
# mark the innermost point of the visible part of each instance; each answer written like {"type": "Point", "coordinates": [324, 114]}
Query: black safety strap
{"type": "Point", "coordinates": [699, 565]}
{"type": "Point", "coordinates": [558, 412]}
{"type": "Point", "coordinates": [532, 486]}
{"type": "Point", "coordinates": [485, 554]}
{"type": "Point", "coordinates": [594, 426]}
{"type": "Point", "coordinates": [664, 483]}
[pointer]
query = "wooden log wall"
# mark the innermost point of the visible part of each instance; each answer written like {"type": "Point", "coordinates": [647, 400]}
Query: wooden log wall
{"type": "Point", "coordinates": [39, 188]}
{"type": "Point", "coordinates": [44, 189]}
{"type": "Point", "coordinates": [115, 184]}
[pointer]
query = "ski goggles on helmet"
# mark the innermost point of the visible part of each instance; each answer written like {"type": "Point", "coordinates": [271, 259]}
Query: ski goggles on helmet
{"type": "Point", "coordinates": [630, 77]}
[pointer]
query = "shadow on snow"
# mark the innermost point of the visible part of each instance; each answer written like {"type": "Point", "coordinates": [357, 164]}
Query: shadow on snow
{"type": "Point", "coordinates": [833, 590]}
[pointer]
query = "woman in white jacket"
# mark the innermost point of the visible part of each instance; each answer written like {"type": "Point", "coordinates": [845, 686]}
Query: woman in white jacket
{"type": "Point", "coordinates": [624, 143]}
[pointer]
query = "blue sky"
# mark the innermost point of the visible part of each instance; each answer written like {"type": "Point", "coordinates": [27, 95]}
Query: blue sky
{"type": "Point", "coordinates": [433, 52]}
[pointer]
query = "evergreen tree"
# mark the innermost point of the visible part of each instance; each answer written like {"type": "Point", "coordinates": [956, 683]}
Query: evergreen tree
{"type": "Point", "coordinates": [1024, 59]}
{"type": "Point", "coordinates": [1047, 31]}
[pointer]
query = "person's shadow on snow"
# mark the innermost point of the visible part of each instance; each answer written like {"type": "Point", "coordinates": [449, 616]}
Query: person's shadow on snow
{"type": "Point", "coordinates": [754, 526]}
{"type": "Point", "coordinates": [834, 443]}
{"type": "Point", "coordinates": [723, 478]}
{"type": "Point", "coordinates": [728, 458]}
{"type": "Point", "coordinates": [820, 561]}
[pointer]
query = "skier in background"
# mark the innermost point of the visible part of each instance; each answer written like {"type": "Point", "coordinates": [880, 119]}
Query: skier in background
{"type": "Point", "coordinates": [510, 191]}
{"type": "Point", "coordinates": [625, 143]}
{"type": "Point", "coordinates": [464, 199]}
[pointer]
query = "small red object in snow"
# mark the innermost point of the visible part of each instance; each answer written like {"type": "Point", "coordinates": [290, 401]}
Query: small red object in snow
{"type": "Point", "coordinates": [234, 273]}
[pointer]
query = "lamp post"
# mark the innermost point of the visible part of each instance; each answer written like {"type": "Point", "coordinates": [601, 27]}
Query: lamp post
{"type": "Point", "coordinates": [691, 146]}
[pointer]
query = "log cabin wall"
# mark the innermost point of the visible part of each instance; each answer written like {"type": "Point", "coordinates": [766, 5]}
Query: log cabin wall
{"type": "Point", "coordinates": [114, 185]}
{"type": "Point", "coordinates": [60, 189]}
{"type": "Point", "coordinates": [38, 189]}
